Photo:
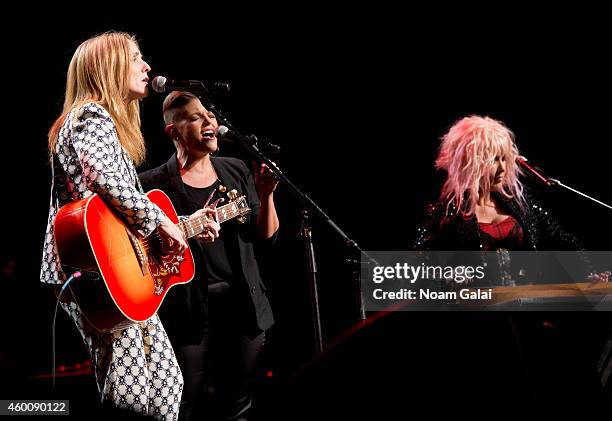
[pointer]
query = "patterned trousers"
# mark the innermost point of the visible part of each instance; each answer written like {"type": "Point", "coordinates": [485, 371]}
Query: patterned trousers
{"type": "Point", "coordinates": [135, 367]}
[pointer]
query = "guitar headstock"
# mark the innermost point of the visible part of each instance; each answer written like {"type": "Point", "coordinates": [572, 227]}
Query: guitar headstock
{"type": "Point", "coordinates": [239, 205]}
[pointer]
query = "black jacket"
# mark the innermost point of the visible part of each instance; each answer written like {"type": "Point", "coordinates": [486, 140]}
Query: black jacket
{"type": "Point", "coordinates": [184, 311]}
{"type": "Point", "coordinates": [453, 232]}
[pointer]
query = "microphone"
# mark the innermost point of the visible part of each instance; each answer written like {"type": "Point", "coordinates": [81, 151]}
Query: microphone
{"type": "Point", "coordinates": [163, 84]}
{"type": "Point", "coordinates": [534, 172]}
{"type": "Point", "coordinates": [224, 133]}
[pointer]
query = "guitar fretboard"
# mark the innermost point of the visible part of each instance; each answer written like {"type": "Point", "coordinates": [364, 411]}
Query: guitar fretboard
{"type": "Point", "coordinates": [195, 226]}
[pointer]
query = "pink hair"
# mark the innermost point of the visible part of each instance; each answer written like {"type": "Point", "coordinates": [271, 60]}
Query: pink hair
{"type": "Point", "coordinates": [468, 153]}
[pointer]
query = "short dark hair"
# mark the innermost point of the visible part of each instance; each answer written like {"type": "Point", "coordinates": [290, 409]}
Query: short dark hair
{"type": "Point", "coordinates": [175, 100]}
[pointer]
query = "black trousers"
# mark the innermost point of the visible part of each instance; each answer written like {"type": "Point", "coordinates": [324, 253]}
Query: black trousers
{"type": "Point", "coordinates": [224, 362]}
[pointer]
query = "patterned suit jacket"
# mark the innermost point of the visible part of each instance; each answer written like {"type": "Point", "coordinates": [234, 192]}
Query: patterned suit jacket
{"type": "Point", "coordinates": [89, 159]}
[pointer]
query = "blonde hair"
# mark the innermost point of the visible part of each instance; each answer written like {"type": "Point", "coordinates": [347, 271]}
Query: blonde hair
{"type": "Point", "coordinates": [99, 72]}
{"type": "Point", "coordinates": [468, 153]}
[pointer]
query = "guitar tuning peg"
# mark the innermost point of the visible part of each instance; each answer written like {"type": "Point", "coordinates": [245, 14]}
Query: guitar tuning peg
{"type": "Point", "coordinates": [241, 219]}
{"type": "Point", "coordinates": [222, 188]}
{"type": "Point", "coordinates": [232, 194]}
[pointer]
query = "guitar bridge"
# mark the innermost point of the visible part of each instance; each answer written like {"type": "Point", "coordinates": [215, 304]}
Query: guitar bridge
{"type": "Point", "coordinates": [140, 252]}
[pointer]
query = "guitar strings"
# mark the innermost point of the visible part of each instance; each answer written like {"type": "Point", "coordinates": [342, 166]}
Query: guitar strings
{"type": "Point", "coordinates": [191, 225]}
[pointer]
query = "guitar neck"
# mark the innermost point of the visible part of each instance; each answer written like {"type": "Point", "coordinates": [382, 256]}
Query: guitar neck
{"type": "Point", "coordinates": [195, 226]}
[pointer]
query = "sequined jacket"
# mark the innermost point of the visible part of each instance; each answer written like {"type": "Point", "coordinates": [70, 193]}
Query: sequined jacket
{"type": "Point", "coordinates": [455, 232]}
{"type": "Point", "coordinates": [89, 159]}
{"type": "Point", "coordinates": [540, 232]}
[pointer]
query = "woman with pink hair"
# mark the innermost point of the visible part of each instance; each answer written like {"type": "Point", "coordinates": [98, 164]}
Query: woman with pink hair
{"type": "Point", "coordinates": [483, 205]}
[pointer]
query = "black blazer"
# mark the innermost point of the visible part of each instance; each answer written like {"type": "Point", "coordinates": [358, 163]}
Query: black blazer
{"type": "Point", "coordinates": [442, 231]}
{"type": "Point", "coordinates": [184, 311]}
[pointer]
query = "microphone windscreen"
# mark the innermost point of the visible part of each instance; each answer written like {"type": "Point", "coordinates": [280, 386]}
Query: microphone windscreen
{"type": "Point", "coordinates": [159, 84]}
{"type": "Point", "coordinates": [222, 131]}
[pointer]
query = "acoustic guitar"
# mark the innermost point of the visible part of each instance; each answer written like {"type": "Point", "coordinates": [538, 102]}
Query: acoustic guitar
{"type": "Point", "coordinates": [126, 277]}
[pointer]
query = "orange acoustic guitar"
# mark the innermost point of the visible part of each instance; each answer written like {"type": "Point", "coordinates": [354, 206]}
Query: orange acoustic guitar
{"type": "Point", "coordinates": [136, 274]}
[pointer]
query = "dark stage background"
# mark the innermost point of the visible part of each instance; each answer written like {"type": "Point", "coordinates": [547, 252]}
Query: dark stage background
{"type": "Point", "coordinates": [357, 101]}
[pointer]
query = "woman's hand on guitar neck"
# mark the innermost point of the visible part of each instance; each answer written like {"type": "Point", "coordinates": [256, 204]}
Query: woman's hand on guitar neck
{"type": "Point", "coordinates": [172, 237]}
{"type": "Point", "coordinates": [209, 220]}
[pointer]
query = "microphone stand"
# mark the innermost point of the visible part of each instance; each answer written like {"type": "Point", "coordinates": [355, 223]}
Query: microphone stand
{"type": "Point", "coordinates": [306, 231]}
{"type": "Point", "coordinates": [555, 182]}
{"type": "Point", "coordinates": [536, 173]}
{"type": "Point", "coordinates": [306, 235]}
